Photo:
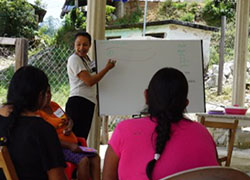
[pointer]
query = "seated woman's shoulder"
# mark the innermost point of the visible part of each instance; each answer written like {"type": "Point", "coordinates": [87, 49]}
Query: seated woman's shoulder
{"type": "Point", "coordinates": [134, 121]}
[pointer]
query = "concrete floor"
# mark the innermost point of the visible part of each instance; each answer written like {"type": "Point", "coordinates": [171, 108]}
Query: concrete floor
{"type": "Point", "coordinates": [240, 158]}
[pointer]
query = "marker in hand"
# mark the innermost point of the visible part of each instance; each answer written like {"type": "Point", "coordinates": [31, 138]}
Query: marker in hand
{"type": "Point", "coordinates": [111, 63]}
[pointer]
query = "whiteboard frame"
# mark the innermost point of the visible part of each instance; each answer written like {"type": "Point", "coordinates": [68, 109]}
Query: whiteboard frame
{"type": "Point", "coordinates": [203, 108]}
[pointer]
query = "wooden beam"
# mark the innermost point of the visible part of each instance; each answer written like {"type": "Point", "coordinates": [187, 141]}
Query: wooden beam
{"type": "Point", "coordinates": [21, 51]}
{"type": "Point", "coordinates": [7, 41]}
{"type": "Point", "coordinates": [96, 27]}
{"type": "Point", "coordinates": [241, 50]}
{"type": "Point", "coordinates": [221, 53]}
{"type": "Point", "coordinates": [105, 133]}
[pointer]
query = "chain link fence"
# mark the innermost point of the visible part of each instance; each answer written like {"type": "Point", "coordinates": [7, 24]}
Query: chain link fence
{"type": "Point", "coordinates": [7, 61]}
{"type": "Point", "coordinates": [53, 61]}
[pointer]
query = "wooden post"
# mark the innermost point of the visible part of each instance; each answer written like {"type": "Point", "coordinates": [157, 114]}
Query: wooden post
{"type": "Point", "coordinates": [96, 27]}
{"type": "Point", "coordinates": [76, 4]}
{"type": "Point", "coordinates": [119, 11]}
{"type": "Point", "coordinates": [240, 47]}
{"type": "Point", "coordinates": [105, 133]}
{"type": "Point", "coordinates": [21, 51]}
{"type": "Point", "coordinates": [222, 51]}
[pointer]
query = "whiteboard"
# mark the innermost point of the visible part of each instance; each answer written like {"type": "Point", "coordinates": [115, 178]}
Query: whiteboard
{"type": "Point", "coordinates": [121, 91]}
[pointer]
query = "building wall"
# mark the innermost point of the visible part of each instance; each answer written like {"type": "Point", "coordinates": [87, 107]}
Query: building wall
{"type": "Point", "coordinates": [171, 32]}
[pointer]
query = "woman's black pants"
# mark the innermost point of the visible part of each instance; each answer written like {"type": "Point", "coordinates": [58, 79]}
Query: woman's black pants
{"type": "Point", "coordinates": [81, 111]}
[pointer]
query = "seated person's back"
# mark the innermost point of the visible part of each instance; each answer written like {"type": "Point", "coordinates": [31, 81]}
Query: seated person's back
{"type": "Point", "coordinates": [163, 143]}
{"type": "Point", "coordinates": [189, 142]}
{"type": "Point", "coordinates": [34, 147]}
{"type": "Point", "coordinates": [32, 143]}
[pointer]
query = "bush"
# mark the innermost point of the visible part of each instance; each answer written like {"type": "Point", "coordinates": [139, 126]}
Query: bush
{"type": "Point", "coordinates": [229, 45]}
{"type": "Point", "coordinates": [188, 17]}
{"type": "Point", "coordinates": [180, 11]}
{"type": "Point", "coordinates": [215, 9]}
{"type": "Point", "coordinates": [109, 11]}
{"type": "Point", "coordinates": [65, 34]}
{"type": "Point", "coordinates": [133, 18]}
{"type": "Point", "coordinates": [17, 19]}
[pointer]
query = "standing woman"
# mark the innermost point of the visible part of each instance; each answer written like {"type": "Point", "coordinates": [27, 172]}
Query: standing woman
{"type": "Point", "coordinates": [82, 79]}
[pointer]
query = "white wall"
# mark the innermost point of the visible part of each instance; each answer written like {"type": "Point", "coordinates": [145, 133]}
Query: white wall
{"type": "Point", "coordinates": [172, 32]}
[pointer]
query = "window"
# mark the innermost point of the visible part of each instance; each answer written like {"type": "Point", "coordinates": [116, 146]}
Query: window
{"type": "Point", "coordinates": [113, 37]}
{"type": "Point", "coordinates": [156, 35]}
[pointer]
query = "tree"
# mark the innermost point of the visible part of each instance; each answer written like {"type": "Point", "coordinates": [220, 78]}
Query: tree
{"type": "Point", "coordinates": [40, 4]}
{"type": "Point", "coordinates": [17, 19]}
{"type": "Point", "coordinates": [73, 21]}
{"type": "Point", "coordinates": [50, 25]}
{"type": "Point", "coordinates": [214, 9]}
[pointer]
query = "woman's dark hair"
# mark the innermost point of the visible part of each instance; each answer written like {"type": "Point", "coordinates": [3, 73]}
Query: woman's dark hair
{"type": "Point", "coordinates": [85, 34]}
{"type": "Point", "coordinates": [26, 91]}
{"type": "Point", "coordinates": [167, 100]}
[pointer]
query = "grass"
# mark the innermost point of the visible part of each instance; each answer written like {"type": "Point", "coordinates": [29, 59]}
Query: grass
{"type": "Point", "coordinates": [3, 93]}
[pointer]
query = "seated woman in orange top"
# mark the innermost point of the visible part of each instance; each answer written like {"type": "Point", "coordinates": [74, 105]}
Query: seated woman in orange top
{"type": "Point", "coordinates": [88, 163]}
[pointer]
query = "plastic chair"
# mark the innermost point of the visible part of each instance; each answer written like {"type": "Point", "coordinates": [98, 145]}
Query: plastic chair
{"type": "Point", "coordinates": [232, 127]}
{"type": "Point", "coordinates": [6, 164]}
{"type": "Point", "coordinates": [70, 166]}
{"type": "Point", "coordinates": [209, 173]}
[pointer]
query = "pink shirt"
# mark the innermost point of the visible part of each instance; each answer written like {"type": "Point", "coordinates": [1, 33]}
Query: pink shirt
{"type": "Point", "coordinates": [190, 146]}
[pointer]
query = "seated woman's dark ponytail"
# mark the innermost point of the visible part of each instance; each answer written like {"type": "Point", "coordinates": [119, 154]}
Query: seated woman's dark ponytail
{"type": "Point", "coordinates": [167, 100]}
{"type": "Point", "coordinates": [163, 135]}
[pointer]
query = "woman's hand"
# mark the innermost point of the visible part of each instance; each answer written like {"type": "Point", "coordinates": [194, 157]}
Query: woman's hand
{"type": "Point", "coordinates": [91, 80]}
{"type": "Point", "coordinates": [68, 128]}
{"type": "Point", "coordinates": [5, 110]}
{"type": "Point", "coordinates": [110, 64]}
{"type": "Point", "coordinates": [75, 148]}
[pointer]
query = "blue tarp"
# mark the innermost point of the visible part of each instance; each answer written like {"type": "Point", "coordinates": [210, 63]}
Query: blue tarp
{"type": "Point", "coordinates": [120, 0]}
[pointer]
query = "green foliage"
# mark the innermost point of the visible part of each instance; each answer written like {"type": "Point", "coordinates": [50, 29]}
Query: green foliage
{"type": "Point", "coordinates": [179, 10]}
{"type": "Point", "coordinates": [50, 25]}
{"type": "Point", "coordinates": [215, 9]}
{"type": "Point", "coordinates": [132, 18]}
{"type": "Point", "coordinates": [78, 19]}
{"type": "Point", "coordinates": [180, 6]}
{"type": "Point", "coordinates": [3, 92]}
{"type": "Point", "coordinates": [73, 21]}
{"type": "Point", "coordinates": [188, 17]}
{"type": "Point", "coordinates": [5, 76]}
{"type": "Point", "coordinates": [17, 19]}
{"type": "Point", "coordinates": [109, 11]}
{"type": "Point", "coordinates": [229, 45]}
{"type": "Point", "coordinates": [40, 4]}
{"type": "Point", "coordinates": [44, 37]}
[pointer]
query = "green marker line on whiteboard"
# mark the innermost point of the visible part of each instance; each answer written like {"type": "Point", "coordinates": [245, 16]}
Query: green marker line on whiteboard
{"type": "Point", "coordinates": [181, 51]}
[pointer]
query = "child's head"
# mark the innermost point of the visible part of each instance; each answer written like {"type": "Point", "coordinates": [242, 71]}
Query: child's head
{"type": "Point", "coordinates": [167, 93]}
{"type": "Point", "coordinates": [27, 89]}
{"type": "Point", "coordinates": [47, 98]}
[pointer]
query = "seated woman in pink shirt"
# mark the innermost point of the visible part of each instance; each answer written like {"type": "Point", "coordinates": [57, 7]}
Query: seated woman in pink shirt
{"type": "Point", "coordinates": [163, 143]}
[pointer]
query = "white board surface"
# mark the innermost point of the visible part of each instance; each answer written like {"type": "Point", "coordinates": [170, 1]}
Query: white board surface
{"type": "Point", "coordinates": [121, 91]}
